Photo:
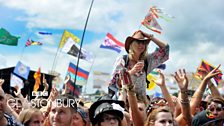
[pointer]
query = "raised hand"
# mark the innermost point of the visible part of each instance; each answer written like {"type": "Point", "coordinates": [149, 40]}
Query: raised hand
{"type": "Point", "coordinates": [161, 81]}
{"type": "Point", "coordinates": [212, 74]}
{"type": "Point", "coordinates": [1, 82]}
{"type": "Point", "coordinates": [45, 83]}
{"type": "Point", "coordinates": [181, 79]}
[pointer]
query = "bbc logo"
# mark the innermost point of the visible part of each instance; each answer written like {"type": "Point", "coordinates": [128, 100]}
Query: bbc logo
{"type": "Point", "coordinates": [39, 93]}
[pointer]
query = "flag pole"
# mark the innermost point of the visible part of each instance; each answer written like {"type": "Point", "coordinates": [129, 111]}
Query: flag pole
{"type": "Point", "coordinates": [83, 34]}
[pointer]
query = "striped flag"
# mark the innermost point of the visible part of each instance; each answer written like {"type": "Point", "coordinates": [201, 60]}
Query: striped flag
{"type": "Point", "coordinates": [31, 42]}
{"type": "Point", "coordinates": [111, 43]}
{"type": "Point", "coordinates": [208, 67]}
{"type": "Point", "coordinates": [82, 75]}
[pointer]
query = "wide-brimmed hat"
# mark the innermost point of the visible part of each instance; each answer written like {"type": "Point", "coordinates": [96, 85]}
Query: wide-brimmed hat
{"type": "Point", "coordinates": [136, 36]}
{"type": "Point", "coordinates": [105, 104]}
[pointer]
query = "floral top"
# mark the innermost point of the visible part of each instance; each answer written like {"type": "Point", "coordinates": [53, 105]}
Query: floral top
{"type": "Point", "coordinates": [154, 59]}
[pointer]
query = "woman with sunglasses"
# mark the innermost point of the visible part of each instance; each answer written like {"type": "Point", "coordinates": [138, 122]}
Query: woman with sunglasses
{"type": "Point", "coordinates": [138, 62]}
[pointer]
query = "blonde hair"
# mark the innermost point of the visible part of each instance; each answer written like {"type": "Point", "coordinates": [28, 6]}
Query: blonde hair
{"type": "Point", "coordinates": [152, 116]}
{"type": "Point", "coordinates": [26, 115]}
{"type": "Point", "coordinates": [131, 52]}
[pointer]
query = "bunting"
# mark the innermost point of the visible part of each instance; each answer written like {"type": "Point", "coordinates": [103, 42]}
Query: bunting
{"type": "Point", "coordinates": [111, 43]}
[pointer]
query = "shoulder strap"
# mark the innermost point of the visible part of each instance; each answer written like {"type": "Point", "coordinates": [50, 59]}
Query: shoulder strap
{"type": "Point", "coordinates": [126, 60]}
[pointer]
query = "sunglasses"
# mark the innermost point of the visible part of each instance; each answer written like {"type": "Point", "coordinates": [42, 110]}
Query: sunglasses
{"type": "Point", "coordinates": [217, 108]}
{"type": "Point", "coordinates": [141, 42]}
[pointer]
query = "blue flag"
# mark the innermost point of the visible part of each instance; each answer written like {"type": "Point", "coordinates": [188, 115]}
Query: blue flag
{"type": "Point", "coordinates": [22, 70]}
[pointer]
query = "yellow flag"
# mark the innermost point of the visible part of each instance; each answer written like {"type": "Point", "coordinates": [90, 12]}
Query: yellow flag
{"type": "Point", "coordinates": [65, 37]}
{"type": "Point", "coordinates": [151, 85]}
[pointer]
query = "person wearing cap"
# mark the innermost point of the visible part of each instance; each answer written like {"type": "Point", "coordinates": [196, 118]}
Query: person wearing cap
{"type": "Point", "coordinates": [106, 112]}
{"type": "Point", "coordinates": [63, 111]}
{"type": "Point", "coordinates": [136, 46]}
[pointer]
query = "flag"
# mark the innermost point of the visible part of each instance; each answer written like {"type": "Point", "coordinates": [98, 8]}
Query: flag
{"type": "Point", "coordinates": [82, 75]}
{"type": "Point", "coordinates": [73, 89]}
{"type": "Point", "coordinates": [45, 33]}
{"type": "Point", "coordinates": [7, 39]}
{"type": "Point", "coordinates": [31, 42]}
{"type": "Point", "coordinates": [162, 66]}
{"type": "Point", "coordinates": [111, 43]}
{"type": "Point", "coordinates": [151, 85]}
{"type": "Point", "coordinates": [65, 37]}
{"type": "Point", "coordinates": [15, 81]}
{"type": "Point", "coordinates": [22, 70]}
{"type": "Point", "coordinates": [37, 77]}
{"type": "Point", "coordinates": [205, 65]}
{"type": "Point", "coordinates": [72, 48]}
{"type": "Point", "coordinates": [151, 23]}
{"type": "Point", "coordinates": [101, 79]}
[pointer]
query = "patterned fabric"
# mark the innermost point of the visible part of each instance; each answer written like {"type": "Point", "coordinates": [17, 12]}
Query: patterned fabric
{"type": "Point", "coordinates": [11, 120]}
{"type": "Point", "coordinates": [154, 59]}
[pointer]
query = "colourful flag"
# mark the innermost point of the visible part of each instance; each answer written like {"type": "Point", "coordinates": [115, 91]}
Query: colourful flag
{"type": "Point", "coordinates": [7, 39]}
{"type": "Point", "coordinates": [73, 89]}
{"type": "Point", "coordinates": [162, 66]}
{"type": "Point", "coordinates": [31, 42]}
{"type": "Point", "coordinates": [22, 70]}
{"type": "Point", "coordinates": [151, 23]}
{"type": "Point", "coordinates": [205, 65]}
{"type": "Point", "coordinates": [65, 37]}
{"type": "Point", "coordinates": [111, 43]}
{"type": "Point", "coordinates": [82, 75]}
{"type": "Point", "coordinates": [37, 77]}
{"type": "Point", "coordinates": [151, 85]}
{"type": "Point", "coordinates": [72, 48]}
{"type": "Point", "coordinates": [45, 33]}
{"type": "Point", "coordinates": [16, 82]}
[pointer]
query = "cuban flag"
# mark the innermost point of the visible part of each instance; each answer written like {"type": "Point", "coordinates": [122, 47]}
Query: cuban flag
{"type": "Point", "coordinates": [111, 43]}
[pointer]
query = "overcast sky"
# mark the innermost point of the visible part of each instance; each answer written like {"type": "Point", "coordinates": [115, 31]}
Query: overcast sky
{"type": "Point", "coordinates": [196, 32]}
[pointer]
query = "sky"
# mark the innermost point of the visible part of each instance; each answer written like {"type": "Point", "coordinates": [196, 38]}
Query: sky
{"type": "Point", "coordinates": [194, 34]}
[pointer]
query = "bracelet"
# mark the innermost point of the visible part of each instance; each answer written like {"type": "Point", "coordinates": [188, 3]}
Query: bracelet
{"type": "Point", "coordinates": [184, 101]}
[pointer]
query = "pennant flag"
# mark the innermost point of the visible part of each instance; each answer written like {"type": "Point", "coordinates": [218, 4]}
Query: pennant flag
{"type": "Point", "coordinates": [151, 23]}
{"type": "Point", "coordinates": [22, 70]}
{"type": "Point", "coordinates": [162, 66]}
{"type": "Point", "coordinates": [16, 82]}
{"type": "Point", "coordinates": [65, 37]}
{"type": "Point", "coordinates": [45, 33]}
{"type": "Point", "coordinates": [205, 65]}
{"type": "Point", "coordinates": [82, 75]}
{"type": "Point", "coordinates": [151, 85]}
{"type": "Point", "coordinates": [111, 43]}
{"type": "Point", "coordinates": [37, 77]}
{"type": "Point", "coordinates": [31, 42]}
{"type": "Point", "coordinates": [101, 79]}
{"type": "Point", "coordinates": [72, 48]}
{"type": "Point", "coordinates": [158, 13]}
{"type": "Point", "coordinates": [7, 39]}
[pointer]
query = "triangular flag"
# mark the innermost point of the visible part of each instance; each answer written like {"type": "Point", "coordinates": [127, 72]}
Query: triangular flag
{"type": "Point", "coordinates": [151, 23]}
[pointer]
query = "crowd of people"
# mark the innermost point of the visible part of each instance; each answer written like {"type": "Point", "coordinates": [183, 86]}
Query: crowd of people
{"type": "Point", "coordinates": [132, 106]}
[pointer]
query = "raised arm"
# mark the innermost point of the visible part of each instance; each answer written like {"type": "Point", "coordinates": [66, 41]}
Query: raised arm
{"type": "Point", "coordinates": [196, 98]}
{"type": "Point", "coordinates": [161, 83]}
{"type": "Point", "coordinates": [182, 82]}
